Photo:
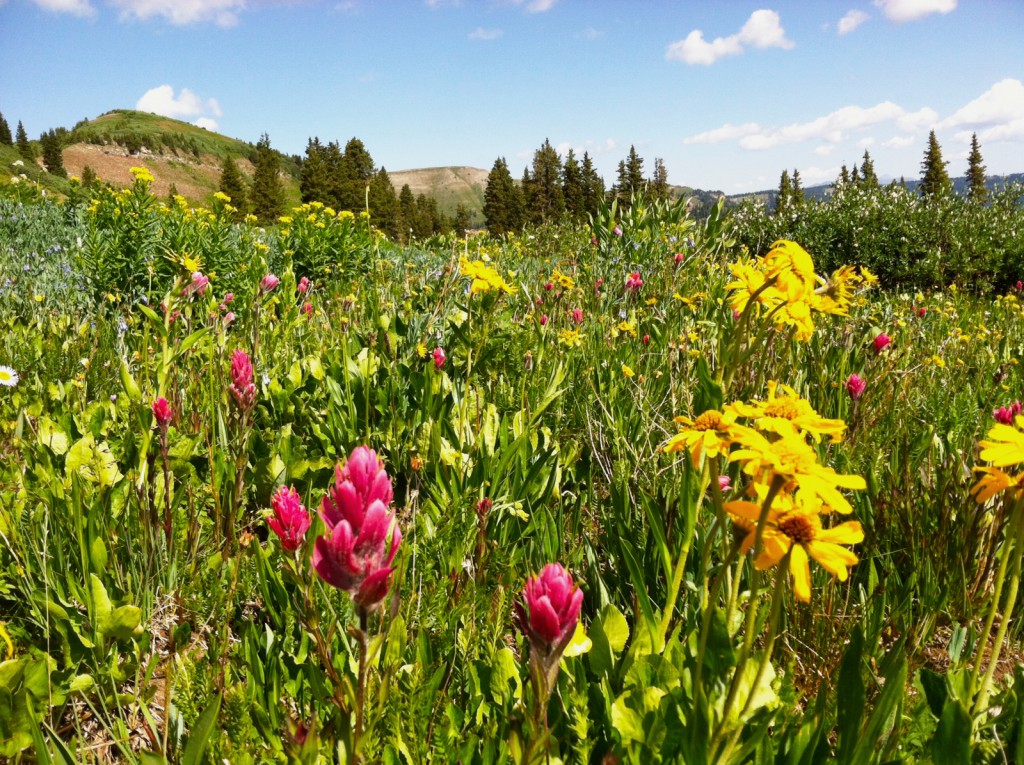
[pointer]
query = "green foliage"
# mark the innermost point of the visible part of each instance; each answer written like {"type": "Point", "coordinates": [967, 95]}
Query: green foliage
{"type": "Point", "coordinates": [503, 202]}
{"type": "Point", "coordinates": [28, 153]}
{"type": "Point", "coordinates": [977, 191]}
{"type": "Point", "coordinates": [267, 195]}
{"type": "Point", "coordinates": [6, 139]}
{"type": "Point", "coordinates": [233, 185]}
{"type": "Point", "coordinates": [934, 176]}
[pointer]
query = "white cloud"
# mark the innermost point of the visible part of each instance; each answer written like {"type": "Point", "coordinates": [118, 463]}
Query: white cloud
{"type": "Point", "coordinates": [762, 30]}
{"type": "Point", "coordinates": [899, 142]}
{"type": "Point", "coordinates": [863, 143]}
{"type": "Point", "coordinates": [851, 21]}
{"type": "Point", "coordinates": [207, 124]}
{"type": "Point", "coordinates": [485, 34]}
{"type": "Point", "coordinates": [186, 105]}
{"type": "Point", "coordinates": [223, 13]}
{"type": "Point", "coordinates": [901, 11]}
{"type": "Point", "coordinates": [824, 150]}
{"type": "Point", "coordinates": [591, 147]}
{"type": "Point", "coordinates": [727, 132]}
{"type": "Point", "coordinates": [996, 115]}
{"type": "Point", "coordinates": [534, 6]}
{"type": "Point", "coordinates": [75, 7]}
{"type": "Point", "coordinates": [815, 175]}
{"type": "Point", "coordinates": [834, 127]}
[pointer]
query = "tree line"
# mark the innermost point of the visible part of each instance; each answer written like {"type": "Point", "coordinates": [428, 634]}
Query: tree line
{"type": "Point", "coordinates": [552, 189]}
{"type": "Point", "coordinates": [934, 180]}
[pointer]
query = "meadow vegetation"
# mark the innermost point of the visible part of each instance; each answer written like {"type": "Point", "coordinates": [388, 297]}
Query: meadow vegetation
{"type": "Point", "coordinates": [644, 488]}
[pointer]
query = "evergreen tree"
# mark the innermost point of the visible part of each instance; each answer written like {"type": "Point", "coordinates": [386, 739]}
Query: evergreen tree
{"type": "Point", "coordinates": [24, 147]}
{"type": "Point", "coordinates": [934, 177]}
{"type": "Point", "coordinates": [427, 219]}
{"type": "Point", "coordinates": [334, 174]}
{"type": "Point", "coordinates": [796, 190]}
{"type": "Point", "coordinates": [855, 176]}
{"type": "Point", "coordinates": [976, 189]}
{"type": "Point", "coordinates": [635, 171]}
{"type": "Point", "coordinates": [315, 175]}
{"type": "Point", "coordinates": [498, 198]}
{"type": "Point", "coordinates": [88, 177]}
{"type": "Point", "coordinates": [407, 212]}
{"type": "Point", "coordinates": [384, 211]}
{"type": "Point", "coordinates": [172, 192]}
{"type": "Point", "coordinates": [593, 186]}
{"type": "Point", "coordinates": [267, 197]}
{"type": "Point", "coordinates": [844, 175]}
{"type": "Point", "coordinates": [784, 199]}
{"type": "Point", "coordinates": [869, 179]}
{"type": "Point", "coordinates": [547, 203]}
{"type": "Point", "coordinates": [357, 170]}
{"type": "Point", "coordinates": [460, 223]}
{"type": "Point", "coordinates": [5, 132]}
{"type": "Point", "coordinates": [233, 184]}
{"type": "Point", "coordinates": [659, 183]}
{"type": "Point", "coordinates": [572, 187]}
{"type": "Point", "coordinates": [53, 157]}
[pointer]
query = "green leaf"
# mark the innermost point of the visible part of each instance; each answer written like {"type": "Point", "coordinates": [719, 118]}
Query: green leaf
{"type": "Point", "coordinates": [98, 555]}
{"type": "Point", "coordinates": [952, 742]}
{"type": "Point", "coordinates": [101, 606]}
{"type": "Point", "coordinates": [52, 437]}
{"type": "Point", "coordinates": [191, 340]}
{"type": "Point", "coordinates": [850, 697]}
{"type": "Point", "coordinates": [935, 690]}
{"type": "Point", "coordinates": [708, 394]}
{"type": "Point", "coordinates": [201, 733]}
{"type": "Point", "coordinates": [505, 670]}
{"type": "Point", "coordinates": [93, 461]}
{"type": "Point", "coordinates": [155, 320]}
{"type": "Point", "coordinates": [608, 633]}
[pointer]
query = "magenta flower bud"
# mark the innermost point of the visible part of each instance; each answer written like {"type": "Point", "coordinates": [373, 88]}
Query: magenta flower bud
{"type": "Point", "coordinates": [678, 258]}
{"type": "Point", "coordinates": [617, 231]}
{"type": "Point", "coordinates": [724, 482]}
{"type": "Point", "coordinates": [269, 283]}
{"type": "Point", "coordinates": [355, 554]}
{"type": "Point", "coordinates": [439, 357]}
{"type": "Point", "coordinates": [549, 611]}
{"type": "Point", "coordinates": [303, 285]}
{"type": "Point", "coordinates": [599, 283]}
{"type": "Point", "coordinates": [646, 339]}
{"type": "Point", "coordinates": [1003, 415]}
{"type": "Point", "coordinates": [290, 520]}
{"type": "Point", "coordinates": [1016, 407]}
{"type": "Point", "coordinates": [577, 315]}
{"type": "Point", "coordinates": [543, 319]}
{"type": "Point", "coordinates": [855, 386]}
{"type": "Point", "coordinates": [633, 281]}
{"type": "Point", "coordinates": [229, 298]}
{"type": "Point", "coordinates": [881, 342]}
{"type": "Point", "coordinates": [307, 309]}
{"type": "Point", "coordinates": [229, 317]}
{"type": "Point", "coordinates": [162, 412]}
{"type": "Point", "coordinates": [242, 387]}
{"type": "Point", "coordinates": [549, 286]}
{"type": "Point", "coordinates": [1020, 286]}
{"type": "Point", "coordinates": [198, 285]}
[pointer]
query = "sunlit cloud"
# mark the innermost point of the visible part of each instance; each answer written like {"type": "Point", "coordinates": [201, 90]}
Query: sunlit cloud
{"type": "Point", "coordinates": [902, 11]}
{"type": "Point", "coordinates": [851, 21]}
{"type": "Point", "coordinates": [762, 30]}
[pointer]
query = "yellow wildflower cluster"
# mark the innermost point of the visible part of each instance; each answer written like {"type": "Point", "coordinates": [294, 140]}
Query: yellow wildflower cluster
{"type": "Point", "coordinates": [484, 277]}
{"type": "Point", "coordinates": [562, 281]}
{"type": "Point", "coordinates": [789, 492]}
{"type": "Point", "coordinates": [783, 283]}
{"type": "Point", "coordinates": [141, 174]}
{"type": "Point", "coordinates": [1003, 448]}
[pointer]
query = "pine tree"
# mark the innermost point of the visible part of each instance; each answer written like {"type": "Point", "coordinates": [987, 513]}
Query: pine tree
{"type": "Point", "coordinates": [88, 177]}
{"type": "Point", "coordinates": [53, 157]}
{"type": "Point", "coordinates": [384, 212]}
{"type": "Point", "coordinates": [407, 212]}
{"type": "Point", "coordinates": [5, 132]}
{"type": "Point", "coordinates": [426, 218]}
{"type": "Point", "coordinates": [635, 171]}
{"type": "Point", "coordinates": [659, 182]}
{"type": "Point", "coordinates": [24, 147]}
{"type": "Point", "coordinates": [784, 199]}
{"type": "Point", "coordinates": [315, 176]}
{"type": "Point", "coordinates": [976, 189]}
{"type": "Point", "coordinates": [267, 197]}
{"type": "Point", "coordinates": [796, 190]}
{"type": "Point", "coordinates": [503, 202]}
{"type": "Point", "coordinates": [855, 176]}
{"type": "Point", "coordinates": [357, 170]}
{"type": "Point", "coordinates": [867, 172]}
{"type": "Point", "coordinates": [460, 223]}
{"type": "Point", "coordinates": [233, 184]}
{"type": "Point", "coordinates": [593, 186]}
{"type": "Point", "coordinates": [572, 187]}
{"type": "Point", "coordinates": [934, 177]}
{"type": "Point", "coordinates": [844, 175]}
{"type": "Point", "coordinates": [547, 203]}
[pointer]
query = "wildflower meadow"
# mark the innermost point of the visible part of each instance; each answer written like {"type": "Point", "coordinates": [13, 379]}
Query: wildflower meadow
{"type": "Point", "coordinates": [648, 489]}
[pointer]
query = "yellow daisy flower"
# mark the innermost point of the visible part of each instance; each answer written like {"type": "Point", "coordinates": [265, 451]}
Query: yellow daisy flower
{"type": "Point", "coordinates": [786, 412]}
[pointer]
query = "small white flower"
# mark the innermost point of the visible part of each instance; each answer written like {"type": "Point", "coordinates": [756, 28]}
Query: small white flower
{"type": "Point", "coordinates": [8, 377]}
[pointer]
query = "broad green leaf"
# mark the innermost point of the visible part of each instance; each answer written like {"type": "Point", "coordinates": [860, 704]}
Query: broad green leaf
{"type": "Point", "coordinates": [201, 733]}
{"type": "Point", "coordinates": [580, 643]}
{"type": "Point", "coordinates": [952, 742]}
{"type": "Point", "coordinates": [52, 437]}
{"type": "Point", "coordinates": [93, 462]}
{"type": "Point", "coordinates": [505, 670]}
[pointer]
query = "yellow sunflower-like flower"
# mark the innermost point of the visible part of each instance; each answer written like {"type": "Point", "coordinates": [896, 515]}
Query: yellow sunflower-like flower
{"type": "Point", "coordinates": [786, 412]}
{"type": "Point", "coordinates": [995, 481]}
{"type": "Point", "coordinates": [1005, 444]}
{"type": "Point", "coordinates": [570, 338]}
{"type": "Point", "coordinates": [562, 281]}
{"type": "Point", "coordinates": [748, 280]}
{"type": "Point", "coordinates": [484, 278]}
{"type": "Point", "coordinates": [792, 266]}
{"type": "Point", "coordinates": [792, 459]}
{"type": "Point", "coordinates": [794, 527]}
{"type": "Point", "coordinates": [834, 295]}
{"type": "Point", "coordinates": [711, 434]}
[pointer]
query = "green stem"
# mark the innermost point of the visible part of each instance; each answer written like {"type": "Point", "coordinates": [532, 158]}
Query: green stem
{"type": "Point", "coordinates": [361, 688]}
{"type": "Point", "coordinates": [1013, 549]}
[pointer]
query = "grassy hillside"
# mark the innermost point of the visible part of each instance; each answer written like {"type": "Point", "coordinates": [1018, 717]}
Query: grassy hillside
{"type": "Point", "coordinates": [177, 153]}
{"type": "Point", "coordinates": [450, 186]}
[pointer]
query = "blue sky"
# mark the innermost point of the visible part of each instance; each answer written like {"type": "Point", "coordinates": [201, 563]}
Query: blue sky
{"type": "Point", "coordinates": [728, 93]}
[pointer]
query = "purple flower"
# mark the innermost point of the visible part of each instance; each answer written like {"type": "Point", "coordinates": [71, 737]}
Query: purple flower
{"type": "Point", "coordinates": [269, 283]}
{"type": "Point", "coordinates": [355, 555]}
